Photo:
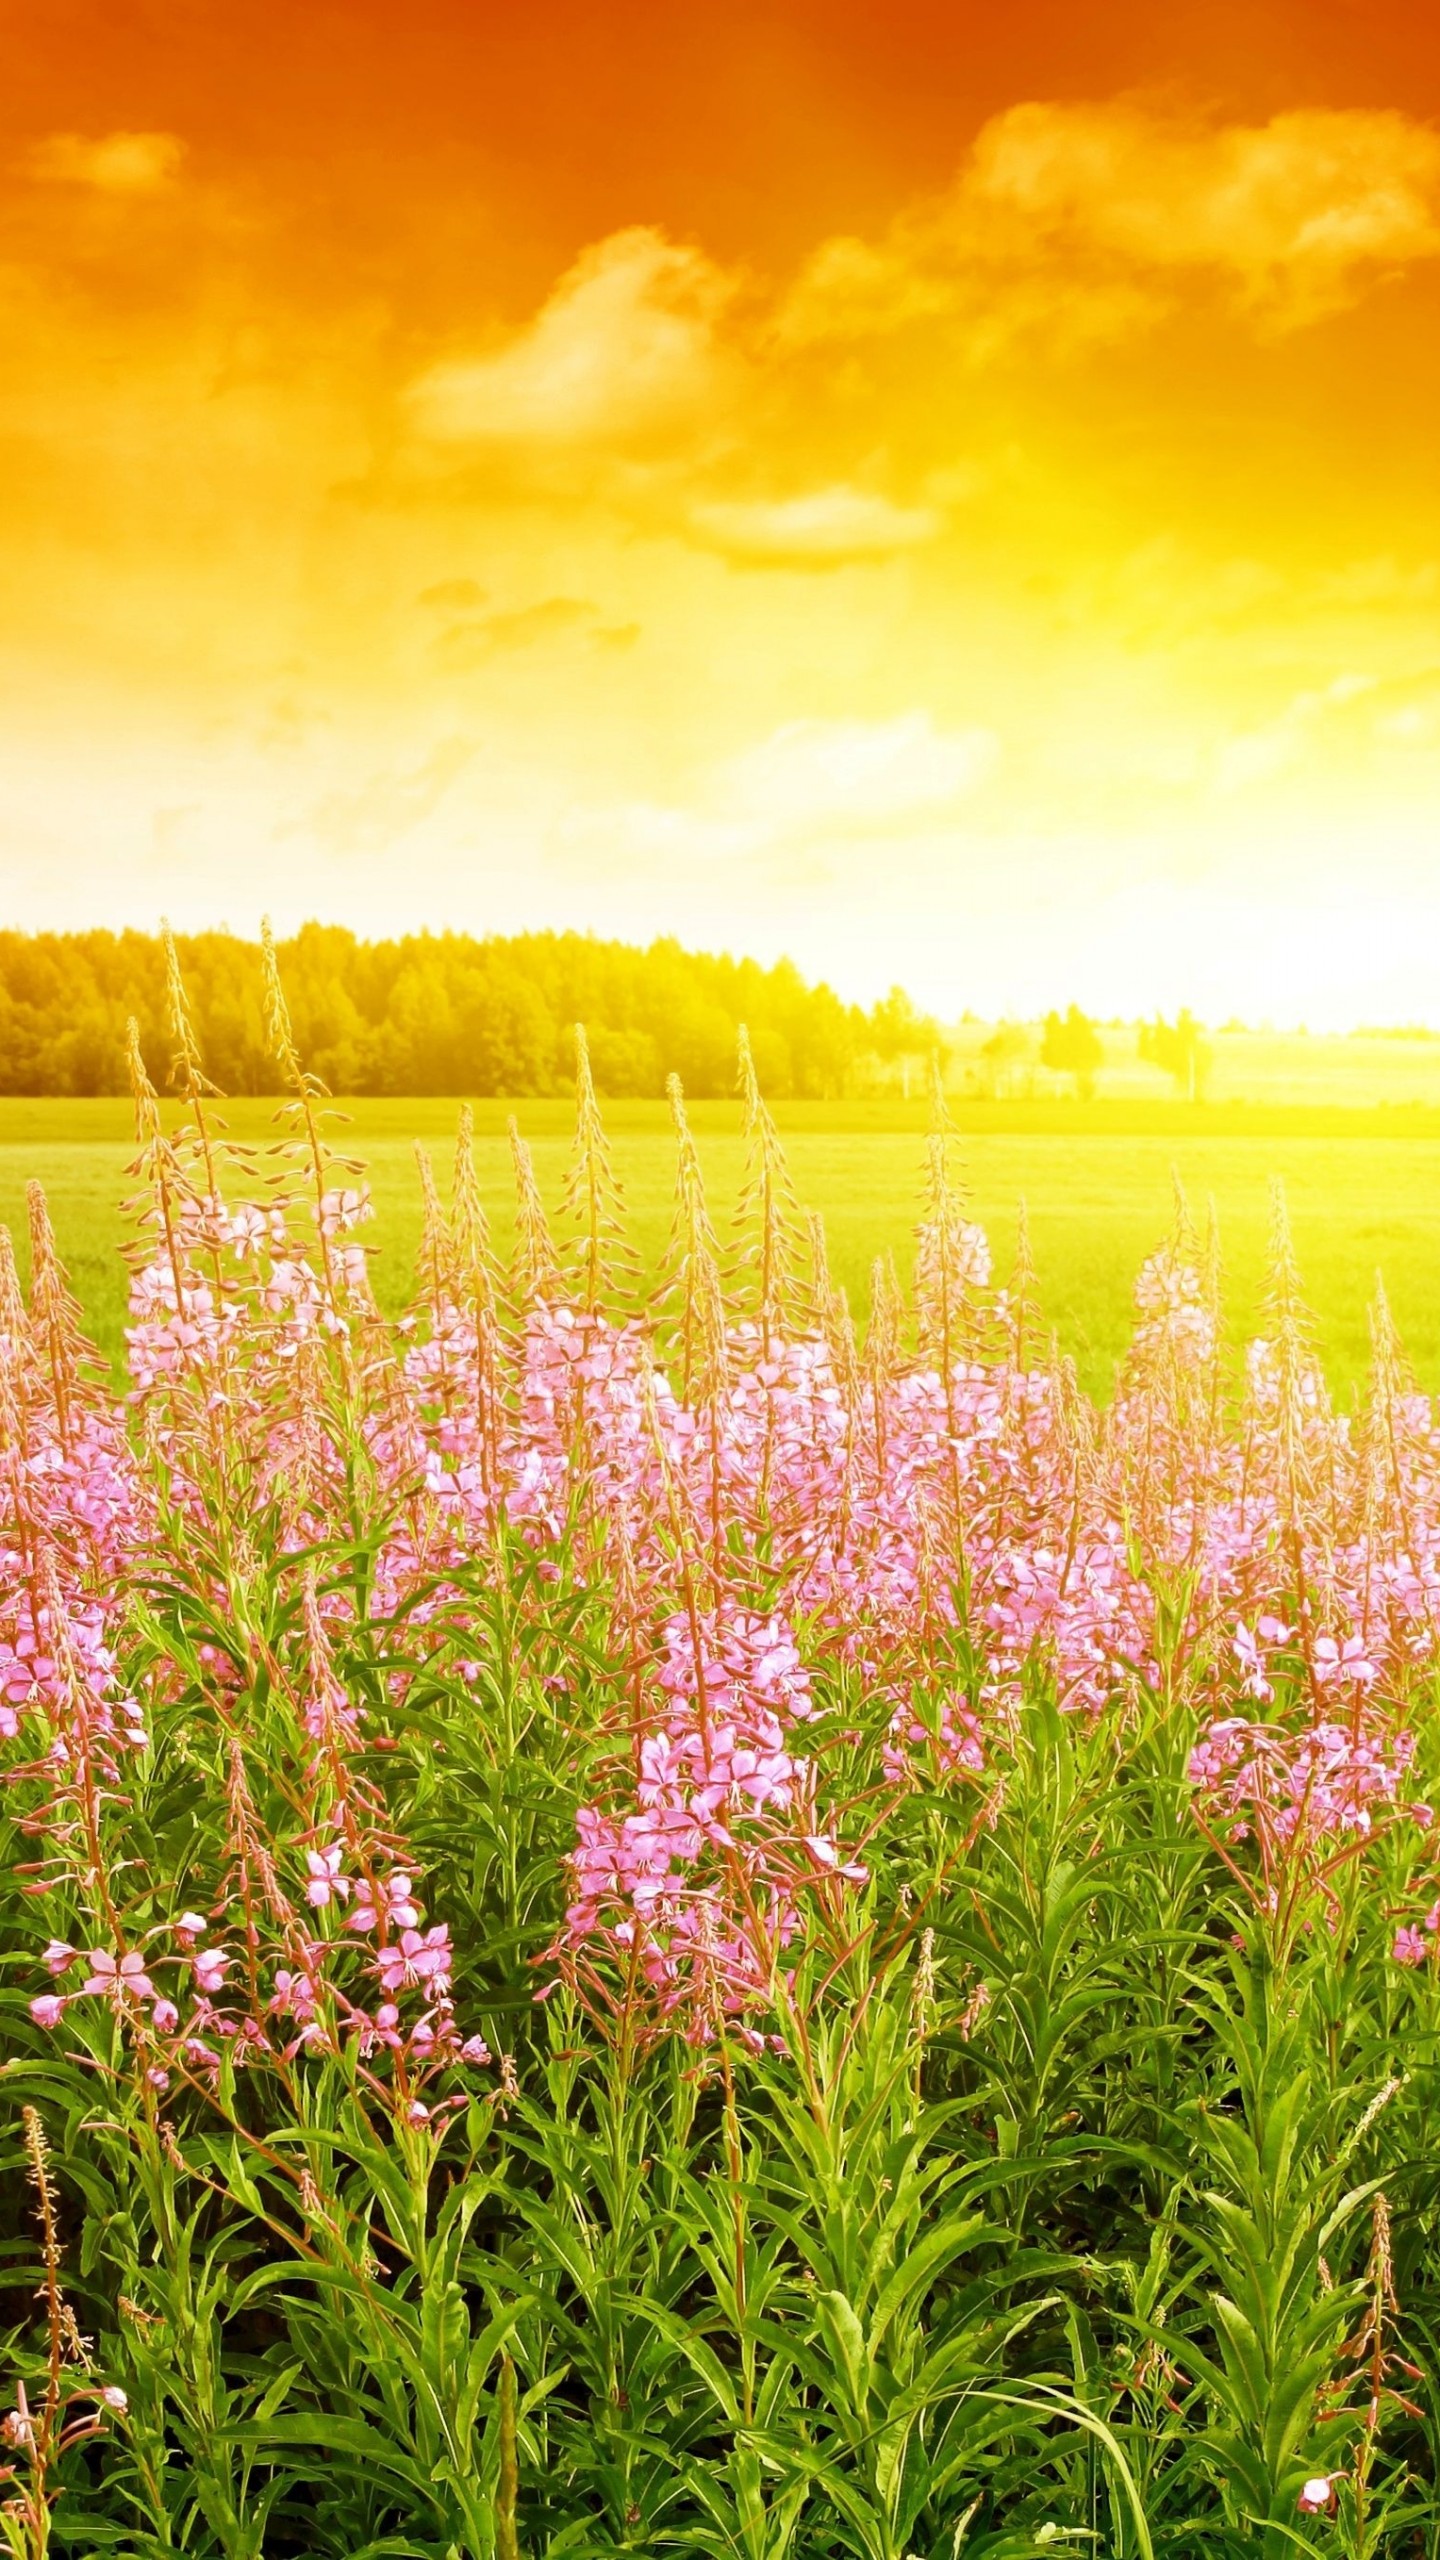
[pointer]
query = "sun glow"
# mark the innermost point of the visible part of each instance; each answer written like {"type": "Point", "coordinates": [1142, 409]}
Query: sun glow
{"type": "Point", "coordinates": [964, 531]}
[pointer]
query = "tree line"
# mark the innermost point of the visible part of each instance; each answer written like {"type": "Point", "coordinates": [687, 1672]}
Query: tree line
{"type": "Point", "coordinates": [443, 1013]}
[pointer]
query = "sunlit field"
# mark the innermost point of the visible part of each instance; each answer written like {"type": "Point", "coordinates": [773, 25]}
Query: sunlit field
{"type": "Point", "coordinates": [715, 1936]}
{"type": "Point", "coordinates": [1363, 1190]}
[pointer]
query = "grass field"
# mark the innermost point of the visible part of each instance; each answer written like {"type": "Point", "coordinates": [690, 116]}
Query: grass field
{"type": "Point", "coordinates": [1363, 1190]}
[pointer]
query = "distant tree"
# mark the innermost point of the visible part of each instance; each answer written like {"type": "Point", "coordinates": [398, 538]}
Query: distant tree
{"type": "Point", "coordinates": [1071, 1046]}
{"type": "Point", "coordinates": [1006, 1051]}
{"type": "Point", "coordinates": [901, 1036]}
{"type": "Point", "coordinates": [1180, 1050]}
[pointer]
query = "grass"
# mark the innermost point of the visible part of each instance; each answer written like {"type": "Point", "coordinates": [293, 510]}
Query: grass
{"type": "Point", "coordinates": [468, 2091]}
{"type": "Point", "coordinates": [1363, 1189]}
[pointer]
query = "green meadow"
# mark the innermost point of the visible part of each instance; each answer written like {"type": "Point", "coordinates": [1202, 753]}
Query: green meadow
{"type": "Point", "coordinates": [1363, 1188]}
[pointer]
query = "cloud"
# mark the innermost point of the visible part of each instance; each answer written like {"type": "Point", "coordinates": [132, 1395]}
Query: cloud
{"type": "Point", "coordinates": [469, 644]}
{"type": "Point", "coordinates": [1093, 217]}
{"type": "Point", "coordinates": [851, 774]}
{"type": "Point", "coordinates": [792, 803]}
{"type": "Point", "coordinates": [818, 529]}
{"type": "Point", "coordinates": [452, 595]}
{"type": "Point", "coordinates": [623, 352]}
{"type": "Point", "coordinates": [472, 644]}
{"type": "Point", "coordinates": [388, 805]}
{"type": "Point", "coordinates": [1258, 755]}
{"type": "Point", "coordinates": [113, 164]}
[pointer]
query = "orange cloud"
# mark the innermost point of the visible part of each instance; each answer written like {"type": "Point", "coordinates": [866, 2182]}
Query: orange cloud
{"type": "Point", "coordinates": [471, 644]}
{"type": "Point", "coordinates": [114, 164]}
{"type": "Point", "coordinates": [623, 351]}
{"type": "Point", "coordinates": [817, 529]}
{"type": "Point", "coordinates": [1115, 202]}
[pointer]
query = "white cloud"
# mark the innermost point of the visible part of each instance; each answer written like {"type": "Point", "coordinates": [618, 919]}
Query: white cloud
{"type": "Point", "coordinates": [1085, 217]}
{"type": "Point", "coordinates": [388, 805]}
{"type": "Point", "coordinates": [818, 529]}
{"type": "Point", "coordinates": [816, 774]}
{"type": "Point", "coordinates": [113, 164]}
{"type": "Point", "coordinates": [624, 350]}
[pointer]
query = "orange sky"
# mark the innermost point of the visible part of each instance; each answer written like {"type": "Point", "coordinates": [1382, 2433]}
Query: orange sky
{"type": "Point", "coordinates": [951, 493]}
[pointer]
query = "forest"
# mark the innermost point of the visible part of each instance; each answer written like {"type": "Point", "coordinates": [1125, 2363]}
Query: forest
{"type": "Point", "coordinates": [442, 1013]}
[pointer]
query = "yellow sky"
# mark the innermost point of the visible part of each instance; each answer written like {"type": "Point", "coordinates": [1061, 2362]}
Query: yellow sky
{"type": "Point", "coordinates": [1005, 556]}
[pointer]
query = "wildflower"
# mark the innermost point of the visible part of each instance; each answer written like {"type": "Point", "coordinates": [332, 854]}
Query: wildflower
{"type": "Point", "coordinates": [48, 2010]}
{"type": "Point", "coordinates": [416, 1961]}
{"type": "Point", "coordinates": [343, 1208]}
{"type": "Point", "coordinates": [395, 1905]}
{"type": "Point", "coordinates": [209, 1969]}
{"type": "Point", "coordinates": [1409, 1947]}
{"type": "Point", "coordinates": [831, 1861]}
{"type": "Point", "coordinates": [324, 1882]}
{"type": "Point", "coordinates": [1317, 2497]}
{"type": "Point", "coordinates": [126, 1979]}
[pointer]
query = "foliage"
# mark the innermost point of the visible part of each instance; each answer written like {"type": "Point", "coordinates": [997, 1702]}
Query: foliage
{"type": "Point", "coordinates": [1071, 1046]}
{"type": "Point", "coordinates": [1180, 1050]}
{"type": "Point", "coordinates": [437, 1014]}
{"type": "Point", "coordinates": [651, 1927]}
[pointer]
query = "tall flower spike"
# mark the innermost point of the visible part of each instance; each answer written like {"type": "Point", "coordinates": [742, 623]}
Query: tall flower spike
{"type": "Point", "coordinates": [1300, 1414]}
{"type": "Point", "coordinates": [1184, 1243]}
{"type": "Point", "coordinates": [187, 1067]}
{"type": "Point", "coordinates": [477, 1285]}
{"type": "Point", "coordinates": [433, 1274]}
{"type": "Point", "coordinates": [883, 1345]}
{"type": "Point", "coordinates": [305, 1090]}
{"type": "Point", "coordinates": [535, 1272]}
{"type": "Point", "coordinates": [469, 1226]}
{"type": "Point", "coordinates": [593, 1201]}
{"type": "Point", "coordinates": [691, 1270]}
{"type": "Point", "coordinates": [156, 1165]}
{"type": "Point", "coordinates": [1383, 1427]}
{"type": "Point", "coordinates": [17, 1345]}
{"type": "Point", "coordinates": [1212, 1268]}
{"type": "Point", "coordinates": [277, 1011]}
{"type": "Point", "coordinates": [55, 1319]}
{"type": "Point", "coordinates": [37, 2161]}
{"type": "Point", "coordinates": [1022, 1288]}
{"type": "Point", "coordinates": [952, 1263]}
{"type": "Point", "coordinates": [767, 1217]}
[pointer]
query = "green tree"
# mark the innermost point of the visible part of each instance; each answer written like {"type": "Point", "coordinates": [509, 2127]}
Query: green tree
{"type": "Point", "coordinates": [1072, 1046]}
{"type": "Point", "coordinates": [1180, 1050]}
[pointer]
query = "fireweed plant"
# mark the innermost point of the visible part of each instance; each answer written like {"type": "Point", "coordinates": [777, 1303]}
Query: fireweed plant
{"type": "Point", "coordinates": [649, 1924]}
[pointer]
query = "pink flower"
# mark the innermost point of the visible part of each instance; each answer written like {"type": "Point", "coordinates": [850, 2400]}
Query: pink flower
{"type": "Point", "coordinates": [1409, 1947]}
{"type": "Point", "coordinates": [343, 1208]}
{"type": "Point", "coordinates": [127, 1980]}
{"type": "Point", "coordinates": [827, 1856]}
{"type": "Point", "coordinates": [1317, 2498]}
{"type": "Point", "coordinates": [326, 1883]}
{"type": "Point", "coordinates": [416, 1962]}
{"type": "Point", "coordinates": [1348, 1660]}
{"type": "Point", "coordinates": [396, 1905]}
{"type": "Point", "coordinates": [48, 2010]}
{"type": "Point", "coordinates": [209, 1968]}
{"type": "Point", "coordinates": [58, 1957]}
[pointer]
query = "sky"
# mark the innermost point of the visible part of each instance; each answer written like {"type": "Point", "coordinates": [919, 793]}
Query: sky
{"type": "Point", "coordinates": [947, 493]}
